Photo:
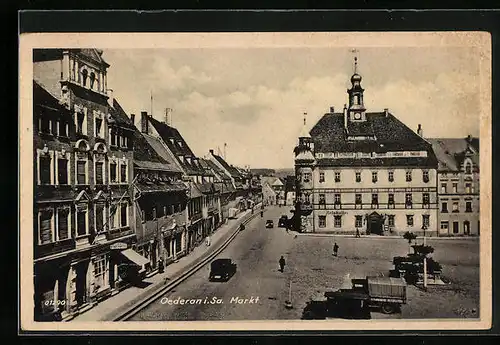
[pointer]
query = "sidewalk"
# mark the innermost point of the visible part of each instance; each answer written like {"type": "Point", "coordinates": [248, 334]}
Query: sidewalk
{"type": "Point", "coordinates": [432, 238]}
{"type": "Point", "coordinates": [111, 305]}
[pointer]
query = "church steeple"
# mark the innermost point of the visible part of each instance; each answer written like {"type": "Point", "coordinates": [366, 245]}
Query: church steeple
{"type": "Point", "coordinates": [356, 105]}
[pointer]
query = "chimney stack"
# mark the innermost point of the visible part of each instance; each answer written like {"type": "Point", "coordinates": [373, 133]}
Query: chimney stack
{"type": "Point", "coordinates": [144, 122]}
{"type": "Point", "coordinates": [345, 116]}
{"type": "Point", "coordinates": [332, 109]}
{"type": "Point", "coordinates": [109, 92]}
{"type": "Point", "coordinates": [211, 151]}
{"type": "Point", "coordinates": [132, 118]}
{"type": "Point", "coordinates": [420, 132]}
{"type": "Point", "coordinates": [469, 138]}
{"type": "Point", "coordinates": [386, 112]}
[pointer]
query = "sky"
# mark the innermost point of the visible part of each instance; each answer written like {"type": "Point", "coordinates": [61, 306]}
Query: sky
{"type": "Point", "coordinates": [253, 99]}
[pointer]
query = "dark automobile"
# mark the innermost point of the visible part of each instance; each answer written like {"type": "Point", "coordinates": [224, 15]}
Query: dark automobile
{"type": "Point", "coordinates": [283, 221]}
{"type": "Point", "coordinates": [269, 223]}
{"type": "Point", "coordinates": [222, 270]}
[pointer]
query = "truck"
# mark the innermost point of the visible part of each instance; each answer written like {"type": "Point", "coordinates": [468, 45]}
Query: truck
{"type": "Point", "coordinates": [384, 293]}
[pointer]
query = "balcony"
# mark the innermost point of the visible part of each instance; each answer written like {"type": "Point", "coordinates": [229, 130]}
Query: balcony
{"type": "Point", "coordinates": [47, 249]}
{"type": "Point", "coordinates": [119, 232]}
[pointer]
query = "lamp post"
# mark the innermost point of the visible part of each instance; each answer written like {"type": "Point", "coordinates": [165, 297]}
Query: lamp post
{"type": "Point", "coordinates": [424, 227]}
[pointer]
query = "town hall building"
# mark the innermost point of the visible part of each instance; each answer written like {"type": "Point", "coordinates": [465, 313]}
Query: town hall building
{"type": "Point", "coordinates": [365, 171]}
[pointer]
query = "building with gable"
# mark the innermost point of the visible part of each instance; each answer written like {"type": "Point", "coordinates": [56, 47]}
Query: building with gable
{"type": "Point", "coordinates": [82, 206]}
{"type": "Point", "coordinates": [364, 170]}
{"type": "Point", "coordinates": [458, 185]}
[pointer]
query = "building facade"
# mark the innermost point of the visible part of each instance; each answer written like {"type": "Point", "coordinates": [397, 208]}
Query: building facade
{"type": "Point", "coordinates": [365, 171]}
{"type": "Point", "coordinates": [458, 185]}
{"type": "Point", "coordinates": [76, 202]}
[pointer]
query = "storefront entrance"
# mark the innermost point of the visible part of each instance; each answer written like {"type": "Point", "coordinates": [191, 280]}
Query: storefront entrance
{"type": "Point", "coordinates": [375, 224]}
{"type": "Point", "coordinates": [81, 282]}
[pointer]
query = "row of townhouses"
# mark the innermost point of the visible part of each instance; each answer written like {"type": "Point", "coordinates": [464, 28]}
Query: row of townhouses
{"type": "Point", "coordinates": [368, 171]}
{"type": "Point", "coordinates": [112, 196]}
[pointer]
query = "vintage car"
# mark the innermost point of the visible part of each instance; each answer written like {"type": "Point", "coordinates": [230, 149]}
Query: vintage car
{"type": "Point", "coordinates": [221, 270]}
{"type": "Point", "coordinates": [269, 223]}
{"type": "Point", "coordinates": [283, 221]}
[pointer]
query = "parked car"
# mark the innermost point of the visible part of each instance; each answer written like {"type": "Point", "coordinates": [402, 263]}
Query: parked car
{"type": "Point", "coordinates": [269, 223]}
{"type": "Point", "coordinates": [283, 221]}
{"type": "Point", "coordinates": [222, 270]}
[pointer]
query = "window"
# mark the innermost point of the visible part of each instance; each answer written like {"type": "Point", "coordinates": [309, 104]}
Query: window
{"type": "Point", "coordinates": [123, 173]}
{"type": "Point", "coordinates": [374, 199]}
{"type": "Point", "coordinates": [62, 171]}
{"type": "Point", "coordinates": [80, 117]}
{"type": "Point", "coordinates": [100, 271]}
{"type": "Point", "coordinates": [425, 198]}
{"type": "Point", "coordinates": [468, 188]}
{"type": "Point", "coordinates": [165, 211]}
{"type": "Point", "coordinates": [337, 176]}
{"type": "Point", "coordinates": [337, 221]}
{"type": "Point", "coordinates": [321, 177]}
{"type": "Point", "coordinates": [391, 176]}
{"type": "Point", "coordinates": [154, 212]}
{"type": "Point", "coordinates": [99, 176]}
{"type": "Point", "coordinates": [358, 177]}
{"type": "Point", "coordinates": [307, 198]}
{"type": "Point", "coordinates": [358, 221]}
{"type": "Point", "coordinates": [45, 226]}
{"type": "Point", "coordinates": [408, 200]}
{"type": "Point", "coordinates": [444, 207]}
{"type": "Point", "coordinates": [112, 136]}
{"type": "Point", "coordinates": [425, 220]}
{"type": "Point", "coordinates": [337, 199]}
{"type": "Point", "coordinates": [63, 129]}
{"type": "Point", "coordinates": [444, 226]}
{"type": "Point", "coordinates": [455, 207]}
{"type": "Point", "coordinates": [45, 125]}
{"type": "Point", "coordinates": [99, 218]}
{"type": "Point", "coordinates": [62, 224]}
{"type": "Point", "coordinates": [468, 206]}
{"type": "Point", "coordinates": [374, 176]}
{"type": "Point", "coordinates": [391, 199]}
{"type": "Point", "coordinates": [84, 77]}
{"type": "Point", "coordinates": [123, 215]}
{"type": "Point", "coordinates": [358, 199]}
{"type": "Point", "coordinates": [408, 176]}
{"type": "Point", "coordinates": [409, 220]}
{"type": "Point", "coordinates": [322, 200]}
{"type": "Point", "coordinates": [455, 227]}
{"type": "Point", "coordinates": [322, 221]}
{"type": "Point", "coordinates": [92, 80]}
{"type": "Point", "coordinates": [390, 220]}
{"type": "Point", "coordinates": [112, 172]}
{"type": "Point", "coordinates": [98, 127]}
{"type": "Point", "coordinates": [455, 187]}
{"type": "Point", "coordinates": [81, 223]}
{"type": "Point", "coordinates": [307, 177]}
{"type": "Point", "coordinates": [443, 188]}
{"type": "Point", "coordinates": [81, 172]}
{"type": "Point", "coordinates": [178, 243]}
{"type": "Point", "coordinates": [468, 168]}
{"type": "Point", "coordinates": [425, 176]}
{"type": "Point", "coordinates": [45, 163]}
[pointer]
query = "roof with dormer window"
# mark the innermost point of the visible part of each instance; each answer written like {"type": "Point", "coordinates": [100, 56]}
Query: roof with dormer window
{"type": "Point", "coordinates": [451, 152]}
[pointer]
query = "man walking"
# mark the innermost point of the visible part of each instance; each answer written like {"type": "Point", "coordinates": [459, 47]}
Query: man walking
{"type": "Point", "coordinates": [282, 263]}
{"type": "Point", "coordinates": [357, 233]}
{"type": "Point", "coordinates": [207, 241]}
{"type": "Point", "coordinates": [335, 249]}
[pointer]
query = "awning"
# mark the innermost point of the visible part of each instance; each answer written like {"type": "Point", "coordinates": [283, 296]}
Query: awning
{"type": "Point", "coordinates": [135, 257]}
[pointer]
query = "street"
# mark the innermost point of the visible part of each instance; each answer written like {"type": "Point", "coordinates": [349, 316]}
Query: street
{"type": "Point", "coordinates": [312, 269]}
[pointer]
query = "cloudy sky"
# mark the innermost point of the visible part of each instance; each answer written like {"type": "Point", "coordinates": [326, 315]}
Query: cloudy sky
{"type": "Point", "coordinates": [254, 99]}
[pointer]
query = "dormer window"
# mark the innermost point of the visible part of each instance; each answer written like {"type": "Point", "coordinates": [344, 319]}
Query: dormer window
{"type": "Point", "coordinates": [468, 166]}
{"type": "Point", "coordinates": [179, 143]}
{"type": "Point", "coordinates": [172, 140]}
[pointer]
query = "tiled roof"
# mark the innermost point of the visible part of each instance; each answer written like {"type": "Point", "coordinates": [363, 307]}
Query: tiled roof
{"type": "Point", "coordinates": [119, 115]}
{"type": "Point", "coordinates": [167, 133]}
{"type": "Point", "coordinates": [195, 191]}
{"type": "Point", "coordinates": [207, 187]}
{"type": "Point", "coordinates": [450, 152]}
{"type": "Point", "coordinates": [152, 165]}
{"type": "Point", "coordinates": [329, 135]}
{"type": "Point", "coordinates": [218, 172]}
{"type": "Point", "coordinates": [205, 165]}
{"type": "Point", "coordinates": [429, 162]}
{"type": "Point", "coordinates": [143, 151]}
{"type": "Point", "coordinates": [230, 169]}
{"type": "Point", "coordinates": [162, 152]}
{"type": "Point", "coordinates": [45, 99]}
{"type": "Point", "coordinates": [161, 187]}
{"type": "Point", "coordinates": [89, 95]}
{"type": "Point", "coordinates": [93, 54]}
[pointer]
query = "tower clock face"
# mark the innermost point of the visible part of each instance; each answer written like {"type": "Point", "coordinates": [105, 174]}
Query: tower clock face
{"type": "Point", "coordinates": [357, 116]}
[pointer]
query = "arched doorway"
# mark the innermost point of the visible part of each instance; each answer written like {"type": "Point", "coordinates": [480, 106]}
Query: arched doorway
{"type": "Point", "coordinates": [375, 224]}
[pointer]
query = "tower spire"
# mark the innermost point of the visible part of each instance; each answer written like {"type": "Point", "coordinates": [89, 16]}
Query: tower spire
{"type": "Point", "coordinates": [305, 115]}
{"type": "Point", "coordinates": [355, 52]}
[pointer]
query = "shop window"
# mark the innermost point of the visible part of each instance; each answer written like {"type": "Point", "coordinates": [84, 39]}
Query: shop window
{"type": "Point", "coordinates": [44, 168]}
{"type": "Point", "coordinates": [62, 224]}
{"type": "Point", "coordinates": [322, 221]}
{"type": "Point", "coordinates": [45, 226]}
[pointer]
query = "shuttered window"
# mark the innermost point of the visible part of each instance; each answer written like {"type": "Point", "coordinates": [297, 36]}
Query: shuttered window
{"type": "Point", "coordinates": [62, 224]}
{"type": "Point", "coordinates": [45, 227]}
{"type": "Point", "coordinates": [81, 172]}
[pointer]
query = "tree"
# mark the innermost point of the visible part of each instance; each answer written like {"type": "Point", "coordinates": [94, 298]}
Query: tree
{"type": "Point", "coordinates": [410, 237]}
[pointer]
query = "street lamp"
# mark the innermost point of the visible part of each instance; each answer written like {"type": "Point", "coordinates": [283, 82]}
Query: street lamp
{"type": "Point", "coordinates": [424, 227]}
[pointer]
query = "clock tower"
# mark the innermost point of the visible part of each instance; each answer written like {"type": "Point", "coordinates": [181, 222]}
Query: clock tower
{"type": "Point", "coordinates": [356, 110]}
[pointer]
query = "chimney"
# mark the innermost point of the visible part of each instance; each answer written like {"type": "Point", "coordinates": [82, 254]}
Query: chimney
{"type": "Point", "coordinates": [109, 92]}
{"type": "Point", "coordinates": [469, 138]}
{"type": "Point", "coordinates": [144, 122]}
{"type": "Point", "coordinates": [420, 132]}
{"type": "Point", "coordinates": [211, 151]}
{"type": "Point", "coordinates": [386, 112]}
{"type": "Point", "coordinates": [332, 110]}
{"type": "Point", "coordinates": [167, 116]}
{"type": "Point", "coordinates": [345, 116]}
{"type": "Point", "coordinates": [132, 118]}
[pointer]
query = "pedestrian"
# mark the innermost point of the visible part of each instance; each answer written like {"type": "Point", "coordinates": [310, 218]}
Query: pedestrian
{"type": "Point", "coordinates": [161, 266]}
{"type": "Point", "coordinates": [282, 263]}
{"type": "Point", "coordinates": [357, 233]}
{"type": "Point", "coordinates": [335, 249]}
{"type": "Point", "coordinates": [261, 214]}
{"type": "Point", "coordinates": [207, 241]}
